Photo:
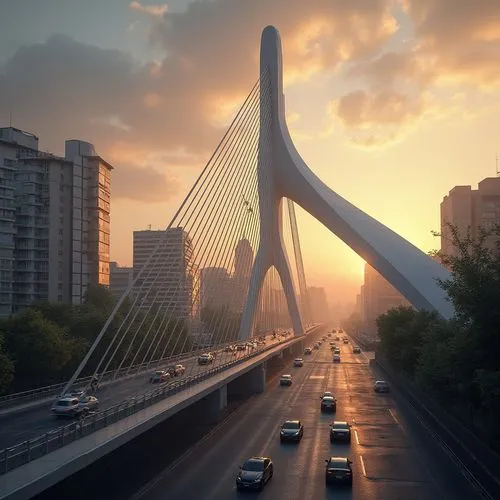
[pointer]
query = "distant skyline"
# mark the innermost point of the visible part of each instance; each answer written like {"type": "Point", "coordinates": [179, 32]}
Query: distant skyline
{"type": "Point", "coordinates": [391, 103]}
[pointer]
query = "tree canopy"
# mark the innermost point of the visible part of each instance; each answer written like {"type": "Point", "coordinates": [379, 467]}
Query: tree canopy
{"type": "Point", "coordinates": [456, 360]}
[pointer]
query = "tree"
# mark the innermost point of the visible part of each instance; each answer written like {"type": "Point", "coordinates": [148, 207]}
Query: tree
{"type": "Point", "coordinates": [39, 348]}
{"type": "Point", "coordinates": [401, 331]}
{"type": "Point", "coordinates": [6, 369]}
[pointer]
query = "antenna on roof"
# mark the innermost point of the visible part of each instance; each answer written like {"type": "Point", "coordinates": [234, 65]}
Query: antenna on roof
{"type": "Point", "coordinates": [10, 118]}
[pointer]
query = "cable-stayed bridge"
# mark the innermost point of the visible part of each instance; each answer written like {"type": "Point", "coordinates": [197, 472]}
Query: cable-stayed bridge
{"type": "Point", "coordinates": [226, 271]}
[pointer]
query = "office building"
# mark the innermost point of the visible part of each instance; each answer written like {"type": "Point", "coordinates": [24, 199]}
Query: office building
{"type": "Point", "coordinates": [377, 297]}
{"type": "Point", "coordinates": [469, 209]}
{"type": "Point", "coordinates": [215, 288]}
{"type": "Point", "coordinates": [318, 302]}
{"type": "Point", "coordinates": [58, 240]}
{"type": "Point", "coordinates": [120, 279]}
{"type": "Point", "coordinates": [168, 279]}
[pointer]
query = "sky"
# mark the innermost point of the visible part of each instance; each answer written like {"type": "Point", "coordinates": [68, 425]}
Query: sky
{"type": "Point", "coordinates": [390, 102]}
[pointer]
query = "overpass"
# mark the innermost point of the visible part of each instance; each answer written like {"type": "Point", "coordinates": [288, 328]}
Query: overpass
{"type": "Point", "coordinates": [57, 455]}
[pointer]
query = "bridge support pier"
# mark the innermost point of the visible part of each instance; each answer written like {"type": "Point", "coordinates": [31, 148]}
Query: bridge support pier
{"type": "Point", "coordinates": [215, 404]}
{"type": "Point", "coordinates": [252, 382]}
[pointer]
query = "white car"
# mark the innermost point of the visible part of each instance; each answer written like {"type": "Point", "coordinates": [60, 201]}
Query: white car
{"type": "Point", "coordinates": [298, 362]}
{"type": "Point", "coordinates": [180, 369]}
{"type": "Point", "coordinates": [89, 403]}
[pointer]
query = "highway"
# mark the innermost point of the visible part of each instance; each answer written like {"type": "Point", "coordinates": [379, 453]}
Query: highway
{"type": "Point", "coordinates": [17, 427]}
{"type": "Point", "coordinates": [389, 460]}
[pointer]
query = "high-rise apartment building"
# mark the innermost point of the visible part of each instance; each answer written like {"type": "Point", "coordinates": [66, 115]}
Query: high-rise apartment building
{"type": "Point", "coordinates": [469, 209]}
{"type": "Point", "coordinates": [13, 143]}
{"type": "Point", "coordinates": [120, 278]}
{"type": "Point", "coordinates": [169, 280]}
{"type": "Point", "coordinates": [59, 241]}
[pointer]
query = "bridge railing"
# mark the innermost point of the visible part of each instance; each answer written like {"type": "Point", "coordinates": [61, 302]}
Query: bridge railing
{"type": "Point", "coordinates": [43, 393]}
{"type": "Point", "coordinates": [27, 451]}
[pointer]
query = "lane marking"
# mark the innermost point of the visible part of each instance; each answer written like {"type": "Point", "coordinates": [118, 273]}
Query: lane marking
{"type": "Point", "coordinates": [394, 416]}
{"type": "Point", "coordinates": [356, 436]}
{"type": "Point", "coordinates": [362, 465]}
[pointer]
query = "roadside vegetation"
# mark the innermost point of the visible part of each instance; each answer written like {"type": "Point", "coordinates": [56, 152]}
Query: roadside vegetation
{"type": "Point", "coordinates": [456, 361]}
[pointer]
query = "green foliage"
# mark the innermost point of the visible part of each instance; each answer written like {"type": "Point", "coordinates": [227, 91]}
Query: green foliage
{"type": "Point", "coordinates": [456, 361]}
{"type": "Point", "coordinates": [6, 368]}
{"type": "Point", "coordinates": [39, 348]}
{"type": "Point", "coordinates": [224, 323]}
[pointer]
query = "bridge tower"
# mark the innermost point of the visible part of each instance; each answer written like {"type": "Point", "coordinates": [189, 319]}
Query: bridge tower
{"type": "Point", "coordinates": [282, 173]}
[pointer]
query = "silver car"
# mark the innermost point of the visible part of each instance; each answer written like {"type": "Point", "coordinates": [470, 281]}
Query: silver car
{"type": "Point", "coordinates": [66, 407]}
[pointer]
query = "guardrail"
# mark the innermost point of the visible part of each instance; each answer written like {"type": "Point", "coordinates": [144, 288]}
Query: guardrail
{"type": "Point", "coordinates": [478, 463]}
{"type": "Point", "coordinates": [42, 393]}
{"type": "Point", "coordinates": [27, 451]}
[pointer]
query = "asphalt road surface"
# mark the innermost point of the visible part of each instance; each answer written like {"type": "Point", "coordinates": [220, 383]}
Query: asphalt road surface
{"type": "Point", "coordinates": [389, 460]}
{"type": "Point", "coordinates": [33, 422]}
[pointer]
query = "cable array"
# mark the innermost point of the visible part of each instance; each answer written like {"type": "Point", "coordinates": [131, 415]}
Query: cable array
{"type": "Point", "coordinates": [189, 293]}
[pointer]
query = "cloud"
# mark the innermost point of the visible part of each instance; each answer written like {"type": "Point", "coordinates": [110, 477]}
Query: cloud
{"type": "Point", "coordinates": [456, 47]}
{"type": "Point", "coordinates": [147, 185]}
{"type": "Point", "coordinates": [362, 109]}
{"type": "Point", "coordinates": [61, 88]}
{"type": "Point", "coordinates": [152, 10]}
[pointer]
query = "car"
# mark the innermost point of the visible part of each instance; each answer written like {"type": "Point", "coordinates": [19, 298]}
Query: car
{"type": "Point", "coordinates": [336, 350]}
{"type": "Point", "coordinates": [328, 403]}
{"type": "Point", "coordinates": [337, 338]}
{"type": "Point", "coordinates": [298, 362]}
{"type": "Point", "coordinates": [338, 470]}
{"type": "Point", "coordinates": [286, 380]}
{"type": "Point", "coordinates": [346, 341]}
{"type": "Point", "coordinates": [336, 358]}
{"type": "Point", "coordinates": [340, 431]}
{"type": "Point", "coordinates": [308, 350]}
{"type": "Point", "coordinates": [159, 376]}
{"type": "Point", "coordinates": [316, 346]}
{"type": "Point", "coordinates": [254, 473]}
{"type": "Point", "coordinates": [291, 430]}
{"type": "Point", "coordinates": [180, 369]}
{"type": "Point", "coordinates": [66, 407]}
{"type": "Point", "coordinates": [381, 386]}
{"type": "Point", "coordinates": [88, 403]}
{"type": "Point", "coordinates": [356, 349]}
{"type": "Point", "coordinates": [205, 359]}
{"type": "Point", "coordinates": [326, 394]}
{"type": "Point", "coordinates": [229, 348]}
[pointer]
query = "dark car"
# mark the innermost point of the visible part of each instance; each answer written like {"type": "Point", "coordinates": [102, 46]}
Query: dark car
{"type": "Point", "coordinates": [381, 386]}
{"type": "Point", "coordinates": [340, 432]}
{"type": "Point", "coordinates": [291, 430]}
{"type": "Point", "coordinates": [356, 350]}
{"type": "Point", "coordinates": [286, 379]}
{"type": "Point", "coordinates": [328, 403]}
{"type": "Point", "coordinates": [338, 470]}
{"type": "Point", "coordinates": [254, 473]}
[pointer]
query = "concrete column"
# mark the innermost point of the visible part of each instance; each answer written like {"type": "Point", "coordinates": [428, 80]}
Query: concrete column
{"type": "Point", "coordinates": [215, 404]}
{"type": "Point", "coordinates": [252, 382]}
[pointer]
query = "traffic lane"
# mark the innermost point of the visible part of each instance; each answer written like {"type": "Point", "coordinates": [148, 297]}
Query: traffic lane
{"type": "Point", "coordinates": [386, 464]}
{"type": "Point", "coordinates": [23, 426]}
{"type": "Point", "coordinates": [211, 474]}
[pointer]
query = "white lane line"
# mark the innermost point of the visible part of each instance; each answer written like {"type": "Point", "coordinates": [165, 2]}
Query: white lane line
{"type": "Point", "coordinates": [394, 416]}
{"type": "Point", "coordinates": [362, 465]}
{"type": "Point", "coordinates": [356, 436]}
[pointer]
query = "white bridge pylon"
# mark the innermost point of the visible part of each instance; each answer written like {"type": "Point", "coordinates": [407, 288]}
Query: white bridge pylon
{"type": "Point", "coordinates": [283, 173]}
